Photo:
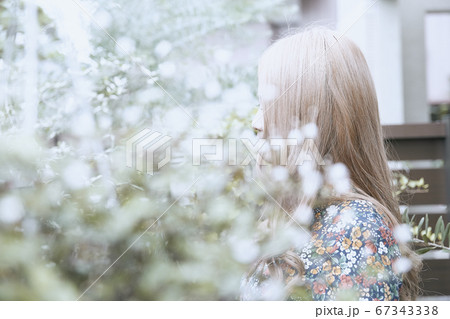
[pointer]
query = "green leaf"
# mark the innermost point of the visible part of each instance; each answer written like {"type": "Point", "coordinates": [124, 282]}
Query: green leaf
{"type": "Point", "coordinates": [419, 227]}
{"type": "Point", "coordinates": [405, 218]}
{"type": "Point", "coordinates": [446, 233]}
{"type": "Point", "coordinates": [439, 226]}
{"type": "Point", "coordinates": [421, 251]}
{"type": "Point", "coordinates": [448, 237]}
{"type": "Point", "coordinates": [412, 218]}
{"type": "Point", "coordinates": [426, 222]}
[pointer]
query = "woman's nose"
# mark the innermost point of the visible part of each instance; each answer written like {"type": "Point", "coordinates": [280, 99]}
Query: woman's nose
{"type": "Point", "coordinates": [258, 121]}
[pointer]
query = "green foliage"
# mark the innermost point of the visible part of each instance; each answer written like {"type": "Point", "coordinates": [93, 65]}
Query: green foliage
{"type": "Point", "coordinates": [426, 236]}
{"type": "Point", "coordinates": [406, 185]}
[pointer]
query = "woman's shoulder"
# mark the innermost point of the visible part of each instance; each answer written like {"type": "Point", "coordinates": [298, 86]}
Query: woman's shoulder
{"type": "Point", "coordinates": [351, 212]}
{"type": "Point", "coordinates": [351, 217]}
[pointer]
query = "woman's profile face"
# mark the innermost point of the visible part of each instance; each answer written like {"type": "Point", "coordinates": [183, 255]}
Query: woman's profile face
{"type": "Point", "coordinates": [258, 122]}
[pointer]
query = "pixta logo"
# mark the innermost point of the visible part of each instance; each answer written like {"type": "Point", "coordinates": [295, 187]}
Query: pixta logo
{"type": "Point", "coordinates": [144, 150]}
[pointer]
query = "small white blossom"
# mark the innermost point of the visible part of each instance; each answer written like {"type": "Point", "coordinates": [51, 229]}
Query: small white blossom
{"type": "Point", "coordinates": [176, 120]}
{"type": "Point", "coordinates": [348, 215]}
{"type": "Point", "coordinates": [76, 175]}
{"type": "Point", "coordinates": [272, 290]}
{"type": "Point", "coordinates": [163, 48]}
{"type": "Point", "coordinates": [303, 214]}
{"type": "Point", "coordinates": [268, 92]}
{"type": "Point", "coordinates": [126, 45]}
{"type": "Point", "coordinates": [402, 233]}
{"type": "Point", "coordinates": [332, 210]}
{"type": "Point", "coordinates": [167, 69]}
{"type": "Point", "coordinates": [244, 250]}
{"type": "Point", "coordinates": [30, 226]}
{"type": "Point", "coordinates": [299, 237]}
{"type": "Point", "coordinates": [297, 135]}
{"type": "Point", "coordinates": [310, 130]}
{"type": "Point", "coordinates": [103, 18]}
{"type": "Point", "coordinates": [311, 183]}
{"type": "Point", "coordinates": [305, 168]}
{"type": "Point", "coordinates": [83, 124]}
{"type": "Point", "coordinates": [402, 265]}
{"type": "Point", "coordinates": [11, 209]}
{"type": "Point", "coordinates": [338, 177]}
{"type": "Point", "coordinates": [280, 173]}
{"type": "Point", "coordinates": [213, 89]}
{"type": "Point", "coordinates": [132, 114]}
{"type": "Point", "coordinates": [196, 77]}
{"type": "Point", "coordinates": [222, 56]}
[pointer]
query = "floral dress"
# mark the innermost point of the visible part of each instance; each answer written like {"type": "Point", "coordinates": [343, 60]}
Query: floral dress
{"type": "Point", "coordinates": [350, 257]}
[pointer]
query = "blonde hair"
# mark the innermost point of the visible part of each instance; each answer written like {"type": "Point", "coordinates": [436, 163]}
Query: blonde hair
{"type": "Point", "coordinates": [323, 78]}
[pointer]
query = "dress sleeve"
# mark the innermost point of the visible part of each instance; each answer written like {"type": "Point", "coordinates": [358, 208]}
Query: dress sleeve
{"type": "Point", "coordinates": [352, 255]}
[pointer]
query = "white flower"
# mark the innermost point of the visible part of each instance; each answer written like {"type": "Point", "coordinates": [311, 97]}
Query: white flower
{"type": "Point", "coordinates": [298, 237]}
{"type": "Point", "coordinates": [401, 265]}
{"type": "Point", "coordinates": [132, 114]}
{"type": "Point", "coordinates": [11, 209]}
{"type": "Point", "coordinates": [76, 175]}
{"type": "Point", "coordinates": [272, 290]}
{"type": "Point", "coordinates": [310, 130]}
{"type": "Point", "coordinates": [20, 38]}
{"type": "Point", "coordinates": [402, 233]}
{"type": "Point", "coordinates": [244, 250]}
{"type": "Point", "coordinates": [297, 135]}
{"type": "Point", "coordinates": [332, 210]}
{"type": "Point", "coordinates": [280, 173]}
{"type": "Point", "coordinates": [222, 56]}
{"type": "Point", "coordinates": [311, 182]}
{"type": "Point", "coordinates": [196, 77]}
{"type": "Point", "coordinates": [163, 48]}
{"type": "Point", "coordinates": [167, 69]}
{"type": "Point", "coordinates": [348, 215]}
{"type": "Point", "coordinates": [382, 249]}
{"type": "Point", "coordinates": [83, 124]}
{"type": "Point", "coordinates": [213, 89]}
{"type": "Point", "coordinates": [104, 122]}
{"type": "Point", "coordinates": [338, 176]}
{"type": "Point", "coordinates": [176, 120]}
{"type": "Point", "coordinates": [303, 214]}
{"type": "Point", "coordinates": [267, 92]}
{"type": "Point", "coordinates": [126, 45]}
{"type": "Point", "coordinates": [103, 18]}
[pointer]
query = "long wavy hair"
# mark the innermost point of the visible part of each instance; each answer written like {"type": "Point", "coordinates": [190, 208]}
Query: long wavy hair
{"type": "Point", "coordinates": [322, 77]}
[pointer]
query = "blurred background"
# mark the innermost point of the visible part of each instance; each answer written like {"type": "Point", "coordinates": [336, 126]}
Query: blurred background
{"type": "Point", "coordinates": [78, 78]}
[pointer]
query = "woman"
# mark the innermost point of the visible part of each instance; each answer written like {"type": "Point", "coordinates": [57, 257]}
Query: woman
{"type": "Point", "coordinates": [317, 76]}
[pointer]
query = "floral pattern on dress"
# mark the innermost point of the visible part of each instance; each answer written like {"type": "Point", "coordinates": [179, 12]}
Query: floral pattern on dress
{"type": "Point", "coordinates": [350, 256]}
